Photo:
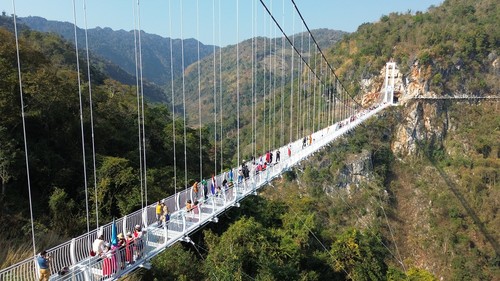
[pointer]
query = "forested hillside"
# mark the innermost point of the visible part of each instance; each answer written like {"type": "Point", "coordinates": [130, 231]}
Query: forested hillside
{"type": "Point", "coordinates": [104, 67]}
{"type": "Point", "coordinates": [265, 62]}
{"type": "Point", "coordinates": [455, 46]}
{"type": "Point", "coordinates": [411, 195]}
{"type": "Point", "coordinates": [54, 142]}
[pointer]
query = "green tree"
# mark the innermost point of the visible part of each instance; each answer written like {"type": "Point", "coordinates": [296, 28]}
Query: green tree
{"type": "Point", "coordinates": [359, 255]}
{"type": "Point", "coordinates": [118, 190]}
{"type": "Point", "coordinates": [62, 208]}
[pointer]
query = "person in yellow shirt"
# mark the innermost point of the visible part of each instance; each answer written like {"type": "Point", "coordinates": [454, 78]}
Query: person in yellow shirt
{"type": "Point", "coordinates": [159, 210]}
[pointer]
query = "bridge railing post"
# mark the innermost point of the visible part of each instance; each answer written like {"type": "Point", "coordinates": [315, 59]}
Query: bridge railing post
{"type": "Point", "coordinates": [183, 222]}
{"type": "Point", "coordinates": [72, 251]}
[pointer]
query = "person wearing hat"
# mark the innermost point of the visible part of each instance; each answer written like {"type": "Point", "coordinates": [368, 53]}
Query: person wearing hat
{"type": "Point", "coordinates": [121, 250]}
{"type": "Point", "coordinates": [129, 248]}
{"type": "Point", "coordinates": [108, 266]}
{"type": "Point", "coordinates": [138, 243]}
{"type": "Point", "coordinates": [43, 263]}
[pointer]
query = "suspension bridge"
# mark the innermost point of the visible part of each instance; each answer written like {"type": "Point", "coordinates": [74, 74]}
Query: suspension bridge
{"type": "Point", "coordinates": [74, 259]}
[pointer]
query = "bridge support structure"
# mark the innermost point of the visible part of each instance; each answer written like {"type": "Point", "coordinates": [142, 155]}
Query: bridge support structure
{"type": "Point", "coordinates": [390, 76]}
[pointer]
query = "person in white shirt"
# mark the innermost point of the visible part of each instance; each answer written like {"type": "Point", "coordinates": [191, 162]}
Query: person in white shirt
{"type": "Point", "coordinates": [98, 245]}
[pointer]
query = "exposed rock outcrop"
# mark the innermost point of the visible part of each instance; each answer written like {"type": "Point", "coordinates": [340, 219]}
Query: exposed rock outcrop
{"type": "Point", "coordinates": [423, 123]}
{"type": "Point", "coordinates": [357, 169]}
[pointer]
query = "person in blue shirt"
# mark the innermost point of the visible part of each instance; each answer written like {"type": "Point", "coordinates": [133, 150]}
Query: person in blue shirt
{"type": "Point", "coordinates": [43, 263]}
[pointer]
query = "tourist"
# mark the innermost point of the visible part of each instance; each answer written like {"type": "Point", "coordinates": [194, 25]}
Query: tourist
{"type": "Point", "coordinates": [129, 248]}
{"type": "Point", "coordinates": [138, 243]}
{"type": "Point", "coordinates": [158, 212]}
{"type": "Point", "coordinates": [121, 250]}
{"type": "Point", "coordinates": [98, 245]}
{"type": "Point", "coordinates": [43, 261]}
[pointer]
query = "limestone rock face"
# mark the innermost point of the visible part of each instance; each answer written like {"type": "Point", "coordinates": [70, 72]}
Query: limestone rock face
{"type": "Point", "coordinates": [357, 169]}
{"type": "Point", "coordinates": [420, 122]}
{"type": "Point", "coordinates": [423, 123]}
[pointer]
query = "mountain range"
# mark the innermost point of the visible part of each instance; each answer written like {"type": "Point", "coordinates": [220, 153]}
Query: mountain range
{"type": "Point", "coordinates": [118, 47]}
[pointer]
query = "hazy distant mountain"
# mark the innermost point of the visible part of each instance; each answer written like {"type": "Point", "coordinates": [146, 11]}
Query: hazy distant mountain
{"type": "Point", "coordinates": [118, 47]}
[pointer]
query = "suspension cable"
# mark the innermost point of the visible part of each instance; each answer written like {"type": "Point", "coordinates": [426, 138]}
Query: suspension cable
{"type": "Point", "coordinates": [270, 81]}
{"type": "Point", "coordinates": [300, 128]}
{"type": "Point", "coordinates": [290, 41]}
{"type": "Point", "coordinates": [220, 89]}
{"type": "Point", "coordinates": [238, 74]}
{"type": "Point", "coordinates": [81, 119]}
{"type": "Point", "coordinates": [142, 107]}
{"type": "Point", "coordinates": [138, 104]}
{"type": "Point", "coordinates": [264, 92]}
{"type": "Point", "coordinates": [253, 82]}
{"type": "Point", "coordinates": [275, 68]}
{"type": "Point", "coordinates": [282, 137]}
{"type": "Point", "coordinates": [292, 72]}
{"type": "Point", "coordinates": [314, 92]}
{"type": "Point", "coordinates": [215, 90]}
{"type": "Point", "coordinates": [24, 127]}
{"type": "Point", "coordinates": [184, 98]}
{"type": "Point", "coordinates": [199, 82]}
{"type": "Point", "coordinates": [323, 55]}
{"type": "Point", "coordinates": [173, 99]}
{"type": "Point", "coordinates": [91, 114]}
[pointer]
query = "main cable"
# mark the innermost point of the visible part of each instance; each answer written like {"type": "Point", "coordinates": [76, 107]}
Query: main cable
{"type": "Point", "coordinates": [322, 54]}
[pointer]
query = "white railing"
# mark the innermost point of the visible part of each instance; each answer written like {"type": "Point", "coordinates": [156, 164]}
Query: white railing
{"type": "Point", "coordinates": [75, 254]}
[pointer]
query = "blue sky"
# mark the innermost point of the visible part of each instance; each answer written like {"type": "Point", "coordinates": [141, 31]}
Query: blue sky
{"type": "Point", "coordinates": [199, 16]}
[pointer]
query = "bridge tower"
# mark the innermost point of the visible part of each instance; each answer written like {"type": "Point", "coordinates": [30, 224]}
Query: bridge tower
{"type": "Point", "coordinates": [390, 76]}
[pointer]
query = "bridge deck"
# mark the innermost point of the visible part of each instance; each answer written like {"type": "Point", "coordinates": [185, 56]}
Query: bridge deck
{"type": "Point", "coordinates": [74, 254]}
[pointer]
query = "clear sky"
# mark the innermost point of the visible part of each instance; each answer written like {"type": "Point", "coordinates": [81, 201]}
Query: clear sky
{"type": "Point", "coordinates": [197, 18]}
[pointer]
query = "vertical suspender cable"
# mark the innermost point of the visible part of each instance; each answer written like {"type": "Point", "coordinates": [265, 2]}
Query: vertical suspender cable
{"type": "Point", "coordinates": [81, 118]}
{"type": "Point", "coordinates": [335, 93]}
{"type": "Point", "coordinates": [91, 114]}
{"type": "Point", "coordinates": [308, 118]}
{"type": "Point", "coordinates": [138, 103]}
{"type": "Point", "coordinates": [183, 98]}
{"type": "Point", "coordinates": [256, 67]}
{"type": "Point", "coordinates": [215, 90]}
{"type": "Point", "coordinates": [329, 91]}
{"type": "Point", "coordinates": [314, 92]}
{"type": "Point", "coordinates": [264, 91]}
{"type": "Point", "coordinates": [291, 80]}
{"type": "Point", "coordinates": [300, 132]}
{"type": "Point", "coordinates": [282, 137]}
{"type": "Point", "coordinates": [199, 81]}
{"type": "Point", "coordinates": [275, 69]}
{"type": "Point", "coordinates": [220, 89]}
{"type": "Point", "coordinates": [142, 108]}
{"type": "Point", "coordinates": [270, 79]}
{"type": "Point", "coordinates": [254, 99]}
{"type": "Point", "coordinates": [323, 99]}
{"type": "Point", "coordinates": [24, 127]}
{"type": "Point", "coordinates": [173, 97]}
{"type": "Point", "coordinates": [238, 74]}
